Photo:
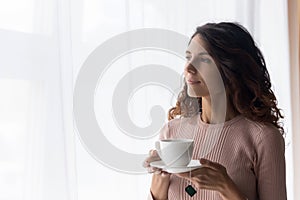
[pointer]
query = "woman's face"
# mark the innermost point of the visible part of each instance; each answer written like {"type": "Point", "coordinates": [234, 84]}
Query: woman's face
{"type": "Point", "coordinates": [201, 73]}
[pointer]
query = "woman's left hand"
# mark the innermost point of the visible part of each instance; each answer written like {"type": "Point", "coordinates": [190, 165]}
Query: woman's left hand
{"type": "Point", "coordinates": [213, 176]}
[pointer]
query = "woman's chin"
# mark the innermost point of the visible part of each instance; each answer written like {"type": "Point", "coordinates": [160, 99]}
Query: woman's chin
{"type": "Point", "coordinates": [193, 94]}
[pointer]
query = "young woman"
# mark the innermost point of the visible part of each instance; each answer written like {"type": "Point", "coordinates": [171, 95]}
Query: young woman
{"type": "Point", "coordinates": [227, 91]}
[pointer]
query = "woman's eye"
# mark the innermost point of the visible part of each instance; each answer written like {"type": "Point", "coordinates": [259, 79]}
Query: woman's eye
{"type": "Point", "coordinates": [205, 60]}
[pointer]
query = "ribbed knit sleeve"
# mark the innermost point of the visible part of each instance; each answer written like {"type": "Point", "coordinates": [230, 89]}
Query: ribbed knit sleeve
{"type": "Point", "coordinates": [269, 165]}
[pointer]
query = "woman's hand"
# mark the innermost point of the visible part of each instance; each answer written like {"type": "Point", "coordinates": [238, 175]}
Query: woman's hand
{"type": "Point", "coordinates": [160, 180]}
{"type": "Point", "coordinates": [153, 156]}
{"type": "Point", "coordinates": [213, 176]}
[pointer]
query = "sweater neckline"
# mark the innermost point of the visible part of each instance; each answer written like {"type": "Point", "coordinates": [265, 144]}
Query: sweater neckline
{"type": "Point", "coordinates": [224, 124]}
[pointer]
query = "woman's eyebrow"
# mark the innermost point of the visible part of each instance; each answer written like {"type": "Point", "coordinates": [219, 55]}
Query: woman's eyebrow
{"type": "Point", "coordinates": [201, 53]}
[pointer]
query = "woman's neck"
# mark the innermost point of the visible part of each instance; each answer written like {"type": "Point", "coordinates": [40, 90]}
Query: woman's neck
{"type": "Point", "coordinates": [217, 110]}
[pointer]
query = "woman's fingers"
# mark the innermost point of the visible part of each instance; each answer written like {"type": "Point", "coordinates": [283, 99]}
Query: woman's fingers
{"type": "Point", "coordinates": [153, 152]}
{"type": "Point", "coordinates": [153, 169]}
{"type": "Point", "coordinates": [153, 156]}
{"type": "Point", "coordinates": [210, 175]}
{"type": "Point", "coordinates": [161, 174]}
{"type": "Point", "coordinates": [210, 164]}
{"type": "Point", "coordinates": [148, 160]}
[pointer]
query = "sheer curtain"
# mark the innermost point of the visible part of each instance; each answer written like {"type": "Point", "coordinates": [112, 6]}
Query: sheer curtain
{"type": "Point", "coordinates": [43, 46]}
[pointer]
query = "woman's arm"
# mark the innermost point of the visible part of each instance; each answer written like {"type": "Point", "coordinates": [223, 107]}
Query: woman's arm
{"type": "Point", "coordinates": [160, 179]}
{"type": "Point", "coordinates": [270, 165]}
{"type": "Point", "coordinates": [160, 185]}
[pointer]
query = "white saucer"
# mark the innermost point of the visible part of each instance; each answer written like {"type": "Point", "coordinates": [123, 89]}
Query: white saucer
{"type": "Point", "coordinates": [194, 164]}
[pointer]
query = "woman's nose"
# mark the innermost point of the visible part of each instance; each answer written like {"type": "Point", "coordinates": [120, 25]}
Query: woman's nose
{"type": "Point", "coordinates": [190, 68]}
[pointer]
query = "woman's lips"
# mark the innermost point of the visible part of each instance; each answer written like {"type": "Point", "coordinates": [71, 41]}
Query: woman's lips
{"type": "Point", "coordinates": [193, 82]}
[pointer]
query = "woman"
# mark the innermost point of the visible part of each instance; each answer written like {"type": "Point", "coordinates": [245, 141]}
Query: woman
{"type": "Point", "coordinates": [227, 90]}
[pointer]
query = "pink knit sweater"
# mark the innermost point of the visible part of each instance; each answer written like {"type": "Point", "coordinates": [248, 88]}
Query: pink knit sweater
{"type": "Point", "coordinates": [253, 154]}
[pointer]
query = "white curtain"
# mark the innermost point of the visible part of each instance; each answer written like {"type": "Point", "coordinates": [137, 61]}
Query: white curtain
{"type": "Point", "coordinates": [43, 46]}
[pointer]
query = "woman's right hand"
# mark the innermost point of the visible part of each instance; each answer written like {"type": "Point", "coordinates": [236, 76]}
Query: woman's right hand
{"type": "Point", "coordinates": [160, 179]}
{"type": "Point", "coordinates": [153, 156]}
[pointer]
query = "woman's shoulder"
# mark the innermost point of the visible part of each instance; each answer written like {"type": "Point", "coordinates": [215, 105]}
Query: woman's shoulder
{"type": "Point", "coordinates": [261, 132]}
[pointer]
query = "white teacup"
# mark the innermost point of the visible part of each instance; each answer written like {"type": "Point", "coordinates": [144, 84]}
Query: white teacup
{"type": "Point", "coordinates": [175, 152]}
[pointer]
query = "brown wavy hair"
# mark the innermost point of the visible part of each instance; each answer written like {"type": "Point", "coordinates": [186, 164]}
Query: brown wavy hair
{"type": "Point", "coordinates": [244, 73]}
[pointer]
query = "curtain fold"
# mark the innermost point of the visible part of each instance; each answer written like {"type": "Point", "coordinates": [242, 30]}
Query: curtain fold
{"type": "Point", "coordinates": [66, 82]}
